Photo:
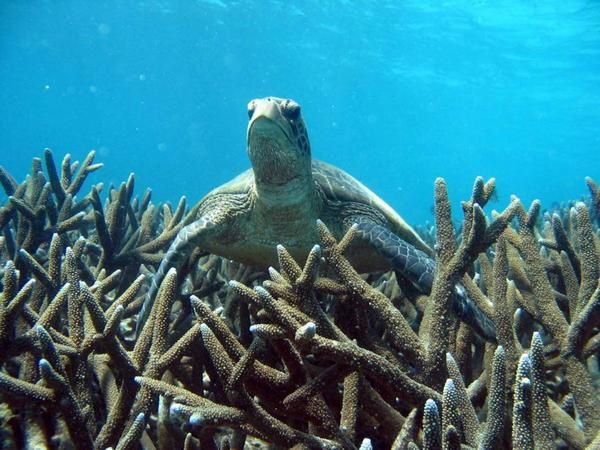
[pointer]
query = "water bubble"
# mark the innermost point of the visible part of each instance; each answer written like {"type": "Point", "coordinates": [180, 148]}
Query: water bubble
{"type": "Point", "coordinates": [142, 77]}
{"type": "Point", "coordinates": [93, 89]}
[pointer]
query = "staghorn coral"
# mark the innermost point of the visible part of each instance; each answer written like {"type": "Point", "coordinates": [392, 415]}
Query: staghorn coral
{"type": "Point", "coordinates": [312, 356]}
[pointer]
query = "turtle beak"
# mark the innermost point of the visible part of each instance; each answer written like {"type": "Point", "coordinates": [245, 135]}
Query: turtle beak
{"type": "Point", "coordinates": [263, 107]}
{"type": "Point", "coordinates": [265, 117]}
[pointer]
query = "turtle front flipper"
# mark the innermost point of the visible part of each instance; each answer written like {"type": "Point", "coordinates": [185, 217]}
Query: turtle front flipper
{"type": "Point", "coordinates": [417, 267]}
{"type": "Point", "coordinates": [187, 239]}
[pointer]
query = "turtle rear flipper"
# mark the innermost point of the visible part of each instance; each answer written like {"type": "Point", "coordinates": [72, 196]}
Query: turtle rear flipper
{"type": "Point", "coordinates": [416, 266]}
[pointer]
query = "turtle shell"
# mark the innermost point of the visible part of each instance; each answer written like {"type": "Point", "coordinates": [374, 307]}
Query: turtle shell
{"type": "Point", "coordinates": [238, 185]}
{"type": "Point", "coordinates": [340, 186]}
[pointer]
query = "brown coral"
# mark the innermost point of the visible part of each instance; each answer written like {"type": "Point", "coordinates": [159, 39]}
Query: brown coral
{"type": "Point", "coordinates": [314, 357]}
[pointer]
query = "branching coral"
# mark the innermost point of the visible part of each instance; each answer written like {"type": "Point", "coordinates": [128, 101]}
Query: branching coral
{"type": "Point", "coordinates": [311, 355]}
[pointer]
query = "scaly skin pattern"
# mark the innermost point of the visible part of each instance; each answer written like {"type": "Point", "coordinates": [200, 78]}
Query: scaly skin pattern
{"type": "Point", "coordinates": [279, 202]}
{"type": "Point", "coordinates": [414, 265]}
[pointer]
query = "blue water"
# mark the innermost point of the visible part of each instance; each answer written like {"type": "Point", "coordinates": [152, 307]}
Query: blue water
{"type": "Point", "coordinates": [395, 92]}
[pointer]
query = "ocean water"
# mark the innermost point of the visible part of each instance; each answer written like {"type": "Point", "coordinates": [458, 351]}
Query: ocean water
{"type": "Point", "coordinates": [395, 92]}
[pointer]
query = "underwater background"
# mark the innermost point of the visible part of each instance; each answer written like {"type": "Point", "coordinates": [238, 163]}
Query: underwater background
{"type": "Point", "coordinates": [395, 92]}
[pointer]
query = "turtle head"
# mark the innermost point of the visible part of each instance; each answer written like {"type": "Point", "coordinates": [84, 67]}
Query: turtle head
{"type": "Point", "coordinates": [278, 144]}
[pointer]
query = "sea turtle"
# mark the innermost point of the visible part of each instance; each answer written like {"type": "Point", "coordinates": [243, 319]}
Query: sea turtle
{"type": "Point", "coordinates": [279, 200]}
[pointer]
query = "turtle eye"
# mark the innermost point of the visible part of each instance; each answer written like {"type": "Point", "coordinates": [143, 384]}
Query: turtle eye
{"type": "Point", "coordinates": [291, 110]}
{"type": "Point", "coordinates": [251, 108]}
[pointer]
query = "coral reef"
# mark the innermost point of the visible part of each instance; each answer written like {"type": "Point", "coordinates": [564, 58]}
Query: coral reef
{"type": "Point", "coordinates": [309, 355]}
